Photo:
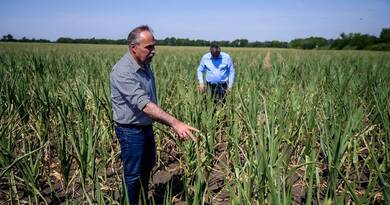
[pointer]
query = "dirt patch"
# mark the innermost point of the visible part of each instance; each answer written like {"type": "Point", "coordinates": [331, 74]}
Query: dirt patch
{"type": "Point", "coordinates": [168, 177]}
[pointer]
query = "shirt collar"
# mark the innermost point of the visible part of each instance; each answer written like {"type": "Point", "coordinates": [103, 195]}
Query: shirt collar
{"type": "Point", "coordinates": [133, 62]}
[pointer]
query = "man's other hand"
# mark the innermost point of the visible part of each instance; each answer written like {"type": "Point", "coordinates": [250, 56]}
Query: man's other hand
{"type": "Point", "coordinates": [201, 88]}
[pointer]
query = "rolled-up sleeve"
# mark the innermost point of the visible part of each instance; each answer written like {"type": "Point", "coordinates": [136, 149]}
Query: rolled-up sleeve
{"type": "Point", "coordinates": [130, 90]}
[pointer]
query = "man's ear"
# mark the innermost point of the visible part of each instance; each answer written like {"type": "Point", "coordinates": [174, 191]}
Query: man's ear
{"type": "Point", "coordinates": [132, 47]}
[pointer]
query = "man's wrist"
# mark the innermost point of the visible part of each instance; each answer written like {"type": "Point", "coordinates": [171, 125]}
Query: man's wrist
{"type": "Point", "coordinates": [174, 122]}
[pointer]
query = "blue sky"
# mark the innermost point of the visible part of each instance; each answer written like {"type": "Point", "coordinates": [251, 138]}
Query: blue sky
{"type": "Point", "coordinates": [209, 20]}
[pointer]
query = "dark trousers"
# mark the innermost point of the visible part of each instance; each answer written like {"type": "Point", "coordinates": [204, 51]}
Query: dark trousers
{"type": "Point", "coordinates": [138, 154]}
{"type": "Point", "coordinates": [218, 92]}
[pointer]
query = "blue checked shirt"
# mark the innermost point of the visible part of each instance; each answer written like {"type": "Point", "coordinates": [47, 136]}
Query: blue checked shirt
{"type": "Point", "coordinates": [132, 87]}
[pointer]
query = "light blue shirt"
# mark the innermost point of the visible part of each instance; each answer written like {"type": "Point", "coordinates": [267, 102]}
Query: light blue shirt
{"type": "Point", "coordinates": [218, 70]}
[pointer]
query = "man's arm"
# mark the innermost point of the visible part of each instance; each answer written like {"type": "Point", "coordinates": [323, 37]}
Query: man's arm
{"type": "Point", "coordinates": [183, 130]}
{"type": "Point", "coordinates": [201, 86]}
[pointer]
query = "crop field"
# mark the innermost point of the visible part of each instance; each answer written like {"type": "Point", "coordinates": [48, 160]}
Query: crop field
{"type": "Point", "coordinates": [300, 127]}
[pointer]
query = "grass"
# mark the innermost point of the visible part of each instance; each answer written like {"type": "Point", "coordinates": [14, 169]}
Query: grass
{"type": "Point", "coordinates": [299, 127]}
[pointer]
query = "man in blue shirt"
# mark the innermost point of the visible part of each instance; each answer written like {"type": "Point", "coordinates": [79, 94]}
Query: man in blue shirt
{"type": "Point", "coordinates": [219, 70]}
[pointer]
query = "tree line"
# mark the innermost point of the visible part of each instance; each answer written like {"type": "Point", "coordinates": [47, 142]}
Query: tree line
{"type": "Point", "coordinates": [10, 38]}
{"type": "Point", "coordinates": [356, 41]}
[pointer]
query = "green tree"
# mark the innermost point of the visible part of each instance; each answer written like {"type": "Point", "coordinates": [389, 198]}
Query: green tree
{"type": "Point", "coordinates": [8, 37]}
{"type": "Point", "coordinates": [385, 35]}
{"type": "Point", "coordinates": [240, 43]}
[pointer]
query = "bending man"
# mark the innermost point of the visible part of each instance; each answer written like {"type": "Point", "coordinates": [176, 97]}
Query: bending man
{"type": "Point", "coordinates": [219, 70]}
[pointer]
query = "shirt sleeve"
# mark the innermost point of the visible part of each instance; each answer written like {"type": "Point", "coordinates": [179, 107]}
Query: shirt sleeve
{"type": "Point", "coordinates": [231, 73]}
{"type": "Point", "coordinates": [130, 90]}
{"type": "Point", "coordinates": [200, 71]}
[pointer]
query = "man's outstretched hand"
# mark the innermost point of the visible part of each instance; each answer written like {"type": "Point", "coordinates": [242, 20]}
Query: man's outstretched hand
{"type": "Point", "coordinates": [184, 131]}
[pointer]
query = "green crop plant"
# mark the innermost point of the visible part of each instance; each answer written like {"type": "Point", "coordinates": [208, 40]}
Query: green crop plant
{"type": "Point", "coordinates": [299, 127]}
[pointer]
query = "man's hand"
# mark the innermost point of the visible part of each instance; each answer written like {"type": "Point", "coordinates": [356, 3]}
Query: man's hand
{"type": "Point", "coordinates": [201, 88]}
{"type": "Point", "coordinates": [184, 131]}
{"type": "Point", "coordinates": [229, 90]}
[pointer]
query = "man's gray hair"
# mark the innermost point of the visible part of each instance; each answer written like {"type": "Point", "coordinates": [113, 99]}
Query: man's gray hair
{"type": "Point", "coordinates": [134, 37]}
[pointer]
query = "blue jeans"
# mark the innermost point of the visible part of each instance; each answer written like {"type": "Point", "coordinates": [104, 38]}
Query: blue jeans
{"type": "Point", "coordinates": [138, 154]}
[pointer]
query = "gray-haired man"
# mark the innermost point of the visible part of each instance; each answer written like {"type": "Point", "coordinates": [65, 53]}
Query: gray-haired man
{"type": "Point", "coordinates": [134, 105]}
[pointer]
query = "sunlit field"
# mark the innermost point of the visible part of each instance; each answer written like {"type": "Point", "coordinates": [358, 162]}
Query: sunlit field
{"type": "Point", "coordinates": [300, 127]}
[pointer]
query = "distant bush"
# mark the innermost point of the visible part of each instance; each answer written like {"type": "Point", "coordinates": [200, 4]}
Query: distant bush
{"type": "Point", "coordinates": [309, 43]}
{"type": "Point", "coordinates": [379, 47]}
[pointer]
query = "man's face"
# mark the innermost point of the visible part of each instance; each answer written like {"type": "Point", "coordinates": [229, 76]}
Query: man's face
{"type": "Point", "coordinates": [215, 54]}
{"type": "Point", "coordinates": [145, 50]}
